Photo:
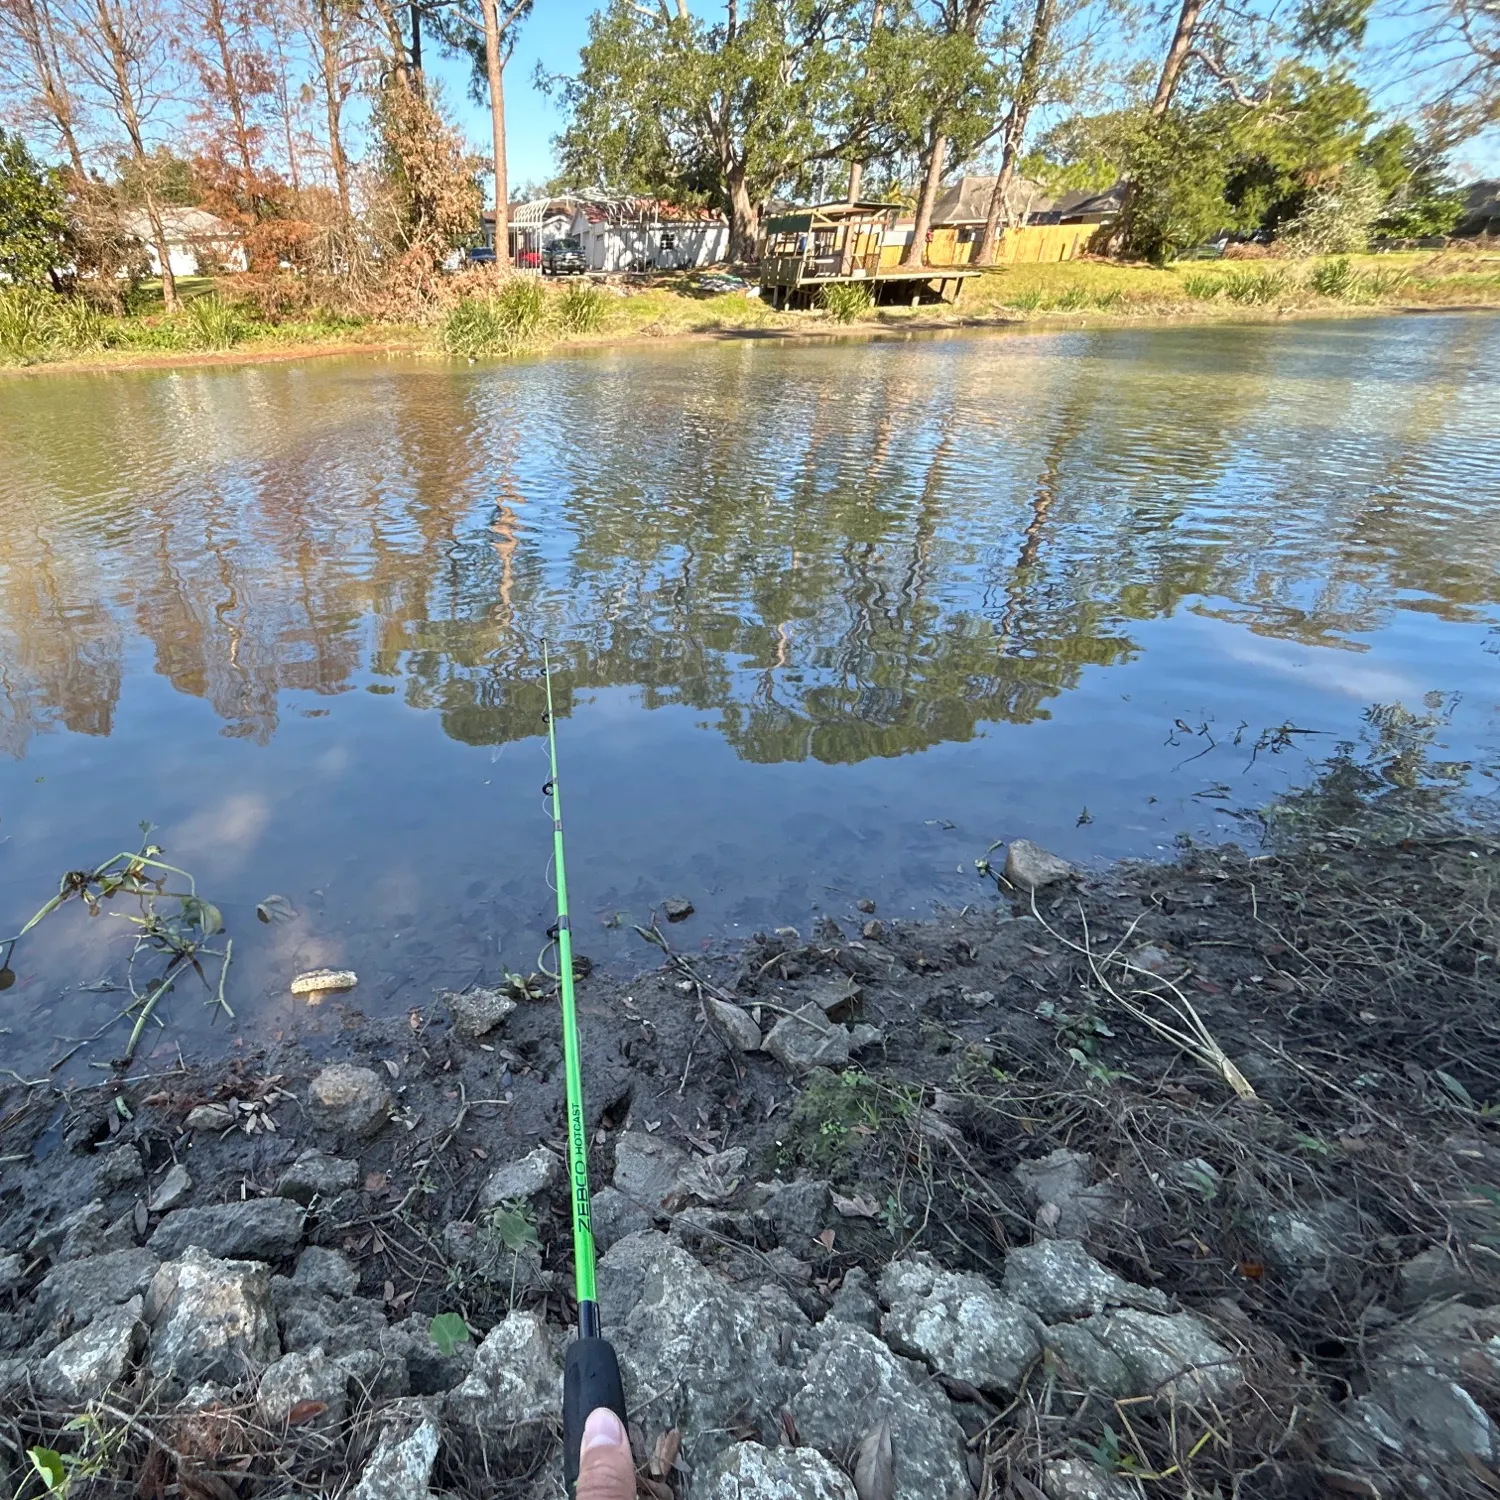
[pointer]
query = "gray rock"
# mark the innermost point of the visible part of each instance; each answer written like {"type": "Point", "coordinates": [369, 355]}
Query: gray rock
{"type": "Point", "coordinates": [82, 1289]}
{"type": "Point", "coordinates": [1066, 1202]}
{"type": "Point", "coordinates": [854, 1381]}
{"type": "Point", "coordinates": [532, 1174]}
{"type": "Point", "coordinates": [477, 1012]}
{"type": "Point", "coordinates": [747, 1471]}
{"type": "Point", "coordinates": [808, 1039]}
{"type": "Point", "coordinates": [830, 992]}
{"type": "Point", "coordinates": [1059, 1280]}
{"type": "Point", "coordinates": [351, 1101]}
{"type": "Point", "coordinates": [647, 1169]}
{"type": "Point", "coordinates": [400, 1468]}
{"type": "Point", "coordinates": [796, 1213]}
{"type": "Point", "coordinates": [310, 1319]}
{"type": "Point", "coordinates": [208, 1118]}
{"type": "Point", "coordinates": [430, 1371]}
{"type": "Point", "coordinates": [515, 1387]}
{"type": "Point", "coordinates": [1171, 1354]}
{"type": "Point", "coordinates": [697, 1351]}
{"type": "Point", "coordinates": [374, 1376]}
{"type": "Point", "coordinates": [257, 1229]}
{"type": "Point", "coordinates": [330, 1271]}
{"type": "Point", "coordinates": [1321, 1247]}
{"type": "Point", "coordinates": [1436, 1275]}
{"type": "Point", "coordinates": [314, 1175]}
{"type": "Point", "coordinates": [75, 1236]}
{"type": "Point", "coordinates": [713, 1179]}
{"type": "Point", "coordinates": [1029, 867]}
{"type": "Point", "coordinates": [613, 1216]}
{"type": "Point", "coordinates": [677, 908]}
{"type": "Point", "coordinates": [1073, 1479]}
{"type": "Point", "coordinates": [862, 1036]}
{"type": "Point", "coordinates": [1438, 1411]}
{"type": "Point", "coordinates": [736, 1024]}
{"type": "Point", "coordinates": [304, 1377]}
{"type": "Point", "coordinates": [118, 1168]}
{"type": "Point", "coordinates": [12, 1273]}
{"type": "Point", "coordinates": [210, 1319]}
{"type": "Point", "coordinates": [855, 1303]}
{"type": "Point", "coordinates": [94, 1360]}
{"type": "Point", "coordinates": [959, 1325]}
{"type": "Point", "coordinates": [1091, 1364]}
{"type": "Point", "coordinates": [172, 1189]}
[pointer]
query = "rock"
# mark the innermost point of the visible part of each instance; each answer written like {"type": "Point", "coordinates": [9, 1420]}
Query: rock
{"type": "Point", "coordinates": [1029, 867]}
{"type": "Point", "coordinates": [831, 993]}
{"type": "Point", "coordinates": [808, 1039]}
{"type": "Point", "coordinates": [515, 1387]}
{"type": "Point", "coordinates": [80, 1290]}
{"type": "Point", "coordinates": [698, 1352]}
{"type": "Point", "coordinates": [1321, 1248]}
{"type": "Point", "coordinates": [75, 1236]}
{"type": "Point", "coordinates": [865, 905]}
{"type": "Point", "coordinates": [647, 1169]}
{"type": "Point", "coordinates": [477, 1012]}
{"type": "Point", "coordinates": [1066, 1202]}
{"type": "Point", "coordinates": [737, 1024]}
{"type": "Point", "coordinates": [1060, 1281]}
{"type": "Point", "coordinates": [257, 1229]}
{"type": "Point", "coordinates": [314, 1175]}
{"type": "Point", "coordinates": [93, 1361]}
{"type": "Point", "coordinates": [855, 1302]}
{"type": "Point", "coordinates": [374, 1375]}
{"type": "Point", "coordinates": [854, 1381]}
{"type": "Point", "coordinates": [1435, 1275]}
{"type": "Point", "coordinates": [796, 1213]}
{"type": "Point", "coordinates": [12, 1273]}
{"type": "Point", "coordinates": [1094, 1367]}
{"type": "Point", "coordinates": [482, 1247]}
{"type": "Point", "coordinates": [862, 1036]}
{"type": "Point", "coordinates": [1073, 1479]}
{"type": "Point", "coordinates": [613, 1216]}
{"type": "Point", "coordinates": [330, 1271]}
{"type": "Point", "coordinates": [172, 1189]}
{"type": "Point", "coordinates": [959, 1325]}
{"type": "Point", "coordinates": [117, 1169]}
{"type": "Point", "coordinates": [209, 1118]}
{"type": "Point", "coordinates": [1172, 1354]}
{"type": "Point", "coordinates": [747, 1471]}
{"type": "Point", "coordinates": [532, 1174]}
{"type": "Point", "coordinates": [295, 1378]}
{"type": "Point", "coordinates": [677, 908]}
{"type": "Point", "coordinates": [400, 1468]}
{"type": "Point", "coordinates": [321, 981]}
{"type": "Point", "coordinates": [310, 1319]}
{"type": "Point", "coordinates": [210, 1318]}
{"type": "Point", "coordinates": [352, 1101]}
{"type": "Point", "coordinates": [430, 1370]}
{"type": "Point", "coordinates": [1437, 1411]}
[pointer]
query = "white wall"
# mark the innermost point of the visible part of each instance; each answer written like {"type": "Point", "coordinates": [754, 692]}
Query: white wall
{"type": "Point", "coordinates": [608, 248]}
{"type": "Point", "coordinates": [184, 258]}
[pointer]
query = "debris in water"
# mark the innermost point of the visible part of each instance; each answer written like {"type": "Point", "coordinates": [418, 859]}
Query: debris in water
{"type": "Point", "coordinates": [318, 981]}
{"type": "Point", "coordinates": [677, 908]}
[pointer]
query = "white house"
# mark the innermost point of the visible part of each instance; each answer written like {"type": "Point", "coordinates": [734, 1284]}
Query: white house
{"type": "Point", "coordinates": [198, 242]}
{"type": "Point", "coordinates": [617, 234]}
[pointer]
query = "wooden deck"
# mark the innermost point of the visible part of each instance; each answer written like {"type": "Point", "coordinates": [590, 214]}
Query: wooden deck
{"type": "Point", "coordinates": [793, 280]}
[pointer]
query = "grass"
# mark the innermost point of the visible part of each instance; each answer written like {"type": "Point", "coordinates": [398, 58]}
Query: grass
{"type": "Point", "coordinates": [845, 301]}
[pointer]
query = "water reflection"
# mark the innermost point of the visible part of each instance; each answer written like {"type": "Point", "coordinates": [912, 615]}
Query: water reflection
{"type": "Point", "coordinates": [833, 554]}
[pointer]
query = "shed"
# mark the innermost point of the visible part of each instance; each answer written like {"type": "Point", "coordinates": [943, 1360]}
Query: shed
{"type": "Point", "coordinates": [198, 242]}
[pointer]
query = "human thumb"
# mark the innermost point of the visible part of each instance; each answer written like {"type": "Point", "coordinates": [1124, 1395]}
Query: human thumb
{"type": "Point", "coordinates": [606, 1470]}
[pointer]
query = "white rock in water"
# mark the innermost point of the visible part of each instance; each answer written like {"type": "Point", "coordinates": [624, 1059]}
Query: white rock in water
{"type": "Point", "coordinates": [316, 981]}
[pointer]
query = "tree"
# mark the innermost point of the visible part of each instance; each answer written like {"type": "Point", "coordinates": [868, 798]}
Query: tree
{"type": "Point", "coordinates": [33, 75]}
{"type": "Point", "coordinates": [32, 217]}
{"type": "Point", "coordinates": [335, 35]}
{"type": "Point", "coordinates": [1024, 98]}
{"type": "Point", "coordinates": [234, 75]}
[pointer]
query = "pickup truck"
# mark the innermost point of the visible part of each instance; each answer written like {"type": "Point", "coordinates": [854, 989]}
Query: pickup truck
{"type": "Point", "coordinates": [564, 257]}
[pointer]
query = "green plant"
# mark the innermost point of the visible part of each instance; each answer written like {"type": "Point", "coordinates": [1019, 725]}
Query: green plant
{"type": "Point", "coordinates": [1336, 278]}
{"type": "Point", "coordinates": [1386, 280]}
{"type": "Point", "coordinates": [511, 1224]}
{"type": "Point", "coordinates": [1202, 288]}
{"type": "Point", "coordinates": [845, 301]}
{"type": "Point", "coordinates": [48, 1466]}
{"type": "Point", "coordinates": [512, 320]}
{"type": "Point", "coordinates": [448, 1331]}
{"type": "Point", "coordinates": [581, 308]}
{"type": "Point", "coordinates": [213, 323]}
{"type": "Point", "coordinates": [1071, 300]}
{"type": "Point", "coordinates": [78, 326]}
{"type": "Point", "coordinates": [1112, 298]}
{"type": "Point", "coordinates": [1255, 286]}
{"type": "Point", "coordinates": [25, 325]}
{"type": "Point", "coordinates": [1026, 301]}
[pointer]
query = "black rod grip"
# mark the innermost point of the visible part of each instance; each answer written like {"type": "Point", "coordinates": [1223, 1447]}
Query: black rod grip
{"type": "Point", "coordinates": [591, 1379]}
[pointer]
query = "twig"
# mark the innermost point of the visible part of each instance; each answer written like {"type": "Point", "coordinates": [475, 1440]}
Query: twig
{"type": "Point", "coordinates": [164, 984]}
{"type": "Point", "coordinates": [219, 999]}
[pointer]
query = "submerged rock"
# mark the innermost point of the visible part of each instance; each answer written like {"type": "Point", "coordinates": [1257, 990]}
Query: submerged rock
{"type": "Point", "coordinates": [747, 1471]}
{"type": "Point", "coordinates": [677, 908]}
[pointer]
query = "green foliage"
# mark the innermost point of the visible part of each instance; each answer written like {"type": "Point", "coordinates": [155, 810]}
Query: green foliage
{"type": "Point", "coordinates": [1027, 300]}
{"type": "Point", "coordinates": [1256, 287]}
{"type": "Point", "coordinates": [448, 1331]}
{"type": "Point", "coordinates": [581, 308]}
{"type": "Point", "coordinates": [48, 1466]}
{"type": "Point", "coordinates": [32, 218]}
{"type": "Point", "coordinates": [512, 1226]}
{"type": "Point", "coordinates": [1336, 278]}
{"type": "Point", "coordinates": [1337, 219]}
{"type": "Point", "coordinates": [840, 1116]}
{"type": "Point", "coordinates": [213, 323]}
{"type": "Point", "coordinates": [513, 320]}
{"type": "Point", "coordinates": [845, 301]}
{"type": "Point", "coordinates": [25, 325]}
{"type": "Point", "coordinates": [1202, 288]}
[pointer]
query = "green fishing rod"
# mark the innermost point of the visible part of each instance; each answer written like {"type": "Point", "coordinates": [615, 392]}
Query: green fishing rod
{"type": "Point", "coordinates": [591, 1376]}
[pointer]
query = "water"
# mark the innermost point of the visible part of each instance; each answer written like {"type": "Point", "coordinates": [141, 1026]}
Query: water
{"type": "Point", "coordinates": [831, 618]}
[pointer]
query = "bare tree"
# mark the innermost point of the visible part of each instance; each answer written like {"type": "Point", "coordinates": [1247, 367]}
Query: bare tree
{"type": "Point", "coordinates": [1024, 98]}
{"type": "Point", "coordinates": [280, 27]}
{"type": "Point", "coordinates": [334, 32]}
{"type": "Point", "coordinates": [235, 76]}
{"type": "Point", "coordinates": [120, 52]}
{"type": "Point", "coordinates": [33, 78]}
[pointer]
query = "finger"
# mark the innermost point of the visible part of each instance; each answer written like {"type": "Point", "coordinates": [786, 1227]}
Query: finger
{"type": "Point", "coordinates": [606, 1470]}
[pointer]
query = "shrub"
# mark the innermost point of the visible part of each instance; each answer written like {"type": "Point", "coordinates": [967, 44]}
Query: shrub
{"type": "Point", "coordinates": [1203, 288]}
{"type": "Point", "coordinates": [25, 325]}
{"type": "Point", "coordinates": [1256, 286]}
{"type": "Point", "coordinates": [511, 320]}
{"type": "Point", "coordinates": [1111, 298]}
{"type": "Point", "coordinates": [1338, 218]}
{"type": "Point", "coordinates": [1337, 279]}
{"type": "Point", "coordinates": [212, 323]}
{"type": "Point", "coordinates": [845, 301]}
{"type": "Point", "coordinates": [582, 308]}
{"type": "Point", "coordinates": [1387, 279]}
{"type": "Point", "coordinates": [78, 326]}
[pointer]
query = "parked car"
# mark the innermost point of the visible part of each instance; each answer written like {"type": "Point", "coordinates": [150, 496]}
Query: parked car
{"type": "Point", "coordinates": [564, 257]}
{"type": "Point", "coordinates": [481, 255]}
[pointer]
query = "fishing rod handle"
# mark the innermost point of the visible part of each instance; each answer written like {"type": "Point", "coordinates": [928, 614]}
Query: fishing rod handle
{"type": "Point", "coordinates": [591, 1379]}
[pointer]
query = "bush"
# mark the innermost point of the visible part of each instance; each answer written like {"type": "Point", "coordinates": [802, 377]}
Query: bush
{"type": "Point", "coordinates": [1256, 286]}
{"type": "Point", "coordinates": [78, 326]}
{"type": "Point", "coordinates": [1203, 288]}
{"type": "Point", "coordinates": [1337, 219]}
{"type": "Point", "coordinates": [512, 320]}
{"type": "Point", "coordinates": [25, 325]}
{"type": "Point", "coordinates": [581, 308]}
{"type": "Point", "coordinates": [845, 301]}
{"type": "Point", "coordinates": [1337, 279]}
{"type": "Point", "coordinates": [212, 323]}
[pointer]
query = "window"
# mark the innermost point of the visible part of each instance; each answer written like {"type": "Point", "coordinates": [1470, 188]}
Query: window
{"type": "Point", "coordinates": [668, 240]}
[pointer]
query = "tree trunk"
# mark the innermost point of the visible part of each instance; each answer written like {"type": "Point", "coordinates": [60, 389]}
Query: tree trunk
{"type": "Point", "coordinates": [333, 100]}
{"type": "Point", "coordinates": [916, 252]}
{"type": "Point", "coordinates": [744, 218]}
{"type": "Point", "coordinates": [1028, 87]}
{"type": "Point", "coordinates": [495, 72]}
{"type": "Point", "coordinates": [34, 24]}
{"type": "Point", "coordinates": [1171, 68]}
{"type": "Point", "coordinates": [284, 107]}
{"type": "Point", "coordinates": [857, 168]}
{"type": "Point", "coordinates": [169, 300]}
{"type": "Point", "coordinates": [213, 15]}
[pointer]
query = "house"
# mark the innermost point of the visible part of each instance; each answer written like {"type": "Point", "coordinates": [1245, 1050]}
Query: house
{"type": "Point", "coordinates": [198, 242]}
{"type": "Point", "coordinates": [1481, 209]}
{"type": "Point", "coordinates": [617, 233]}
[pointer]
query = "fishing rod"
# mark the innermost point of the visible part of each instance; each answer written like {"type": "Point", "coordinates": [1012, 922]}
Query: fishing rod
{"type": "Point", "coordinates": [591, 1376]}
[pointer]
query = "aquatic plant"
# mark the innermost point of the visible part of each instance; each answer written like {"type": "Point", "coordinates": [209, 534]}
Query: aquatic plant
{"type": "Point", "coordinates": [581, 308]}
{"type": "Point", "coordinates": [845, 301]}
{"type": "Point", "coordinates": [211, 322]}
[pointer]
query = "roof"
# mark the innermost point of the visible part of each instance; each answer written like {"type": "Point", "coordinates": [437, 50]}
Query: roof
{"type": "Point", "coordinates": [179, 224]}
{"type": "Point", "coordinates": [823, 214]}
{"type": "Point", "coordinates": [1079, 201]}
{"type": "Point", "coordinates": [967, 201]}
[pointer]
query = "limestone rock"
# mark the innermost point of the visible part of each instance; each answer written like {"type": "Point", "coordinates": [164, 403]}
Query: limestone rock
{"type": "Point", "coordinates": [118, 1168]}
{"type": "Point", "coordinates": [374, 1375]}
{"type": "Point", "coordinates": [736, 1023]}
{"type": "Point", "coordinates": [515, 1386]}
{"type": "Point", "coordinates": [808, 1039]}
{"type": "Point", "coordinates": [430, 1370]}
{"type": "Point", "coordinates": [208, 1118]}
{"type": "Point", "coordinates": [713, 1179]}
{"type": "Point", "coordinates": [854, 1381]}
{"type": "Point", "coordinates": [796, 1213]}
{"type": "Point", "coordinates": [614, 1216]}
{"type": "Point", "coordinates": [310, 1318]}
{"type": "Point", "coordinates": [1173, 1354]}
{"type": "Point", "coordinates": [862, 1036]}
{"type": "Point", "coordinates": [400, 1468]}
{"type": "Point", "coordinates": [1063, 1195]}
{"type": "Point", "coordinates": [1059, 1280]}
{"type": "Point", "coordinates": [296, 1378]}
{"type": "Point", "coordinates": [171, 1190]}
{"type": "Point", "coordinates": [210, 1318]}
{"type": "Point", "coordinates": [314, 1175]}
{"type": "Point", "coordinates": [12, 1273]}
{"type": "Point", "coordinates": [831, 993]}
{"type": "Point", "coordinates": [1029, 867]}
{"type": "Point", "coordinates": [94, 1360]}
{"type": "Point", "coordinates": [854, 1302]}
{"type": "Point", "coordinates": [256, 1229]}
{"type": "Point", "coordinates": [1435, 1275]}
{"type": "Point", "coordinates": [75, 1236]}
{"type": "Point", "coordinates": [330, 1271]}
{"type": "Point", "coordinates": [532, 1174]}
{"type": "Point", "coordinates": [82, 1289]}
{"type": "Point", "coordinates": [647, 1169]}
{"type": "Point", "coordinates": [1091, 1365]}
{"type": "Point", "coordinates": [1073, 1479]}
{"type": "Point", "coordinates": [959, 1325]}
{"type": "Point", "coordinates": [748, 1471]}
{"type": "Point", "coordinates": [352, 1101]}
{"type": "Point", "coordinates": [477, 1012]}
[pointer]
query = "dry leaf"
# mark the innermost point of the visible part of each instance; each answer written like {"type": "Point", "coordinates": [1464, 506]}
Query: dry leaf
{"type": "Point", "coordinates": [875, 1465]}
{"type": "Point", "coordinates": [305, 1411]}
{"type": "Point", "coordinates": [391, 1068]}
{"type": "Point", "coordinates": [653, 1489]}
{"type": "Point", "coordinates": [390, 1291]}
{"type": "Point", "coordinates": [857, 1207]}
{"type": "Point", "coordinates": [376, 1182]}
{"type": "Point", "coordinates": [789, 1429]}
{"type": "Point", "coordinates": [664, 1455]}
{"type": "Point", "coordinates": [826, 1239]}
